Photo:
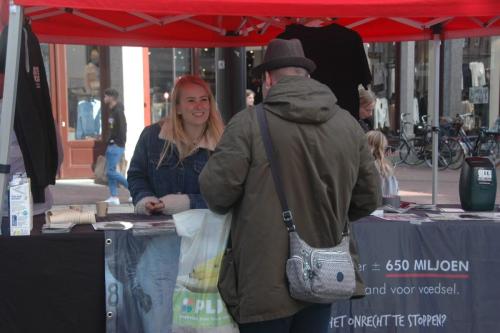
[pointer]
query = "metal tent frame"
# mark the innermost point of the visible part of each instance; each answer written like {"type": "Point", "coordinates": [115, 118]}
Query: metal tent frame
{"type": "Point", "coordinates": [9, 92]}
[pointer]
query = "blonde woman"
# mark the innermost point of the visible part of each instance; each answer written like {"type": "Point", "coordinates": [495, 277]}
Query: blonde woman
{"type": "Point", "coordinates": [168, 158]}
{"type": "Point", "coordinates": [378, 144]}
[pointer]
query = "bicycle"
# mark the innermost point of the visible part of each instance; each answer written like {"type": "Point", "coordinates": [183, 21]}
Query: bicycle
{"type": "Point", "coordinates": [484, 144]}
{"type": "Point", "coordinates": [398, 143]}
{"type": "Point", "coordinates": [419, 149]}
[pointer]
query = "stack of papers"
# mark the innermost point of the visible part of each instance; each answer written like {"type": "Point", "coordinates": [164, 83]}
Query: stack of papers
{"type": "Point", "coordinates": [143, 227]}
{"type": "Point", "coordinates": [405, 218]}
{"type": "Point", "coordinates": [464, 216]}
{"type": "Point", "coordinates": [57, 228]}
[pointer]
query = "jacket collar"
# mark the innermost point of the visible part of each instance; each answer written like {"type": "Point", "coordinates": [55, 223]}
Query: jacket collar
{"type": "Point", "coordinates": [166, 133]}
{"type": "Point", "coordinates": [302, 100]}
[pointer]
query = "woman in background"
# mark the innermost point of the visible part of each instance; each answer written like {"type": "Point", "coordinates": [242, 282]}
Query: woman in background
{"type": "Point", "coordinates": [168, 158]}
{"type": "Point", "coordinates": [250, 97]}
{"type": "Point", "coordinates": [367, 101]}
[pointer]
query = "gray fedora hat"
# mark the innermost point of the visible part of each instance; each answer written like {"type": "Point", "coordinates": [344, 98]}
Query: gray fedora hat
{"type": "Point", "coordinates": [284, 53]}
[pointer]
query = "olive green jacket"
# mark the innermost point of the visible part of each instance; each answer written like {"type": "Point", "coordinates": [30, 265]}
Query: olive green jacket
{"type": "Point", "coordinates": [329, 178]}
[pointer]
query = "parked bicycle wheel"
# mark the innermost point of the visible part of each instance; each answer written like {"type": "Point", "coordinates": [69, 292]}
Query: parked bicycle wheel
{"type": "Point", "coordinates": [411, 152]}
{"type": "Point", "coordinates": [393, 153]}
{"type": "Point", "coordinates": [457, 154]}
{"type": "Point", "coordinates": [444, 155]}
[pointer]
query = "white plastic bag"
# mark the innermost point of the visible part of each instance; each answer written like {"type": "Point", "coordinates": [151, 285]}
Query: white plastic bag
{"type": "Point", "coordinates": [198, 306]}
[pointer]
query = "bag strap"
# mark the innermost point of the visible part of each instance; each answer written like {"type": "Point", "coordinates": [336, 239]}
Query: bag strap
{"type": "Point", "coordinates": [273, 163]}
{"type": "Point", "coordinates": [286, 213]}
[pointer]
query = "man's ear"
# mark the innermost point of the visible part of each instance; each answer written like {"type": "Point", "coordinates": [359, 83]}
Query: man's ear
{"type": "Point", "coordinates": [268, 79]}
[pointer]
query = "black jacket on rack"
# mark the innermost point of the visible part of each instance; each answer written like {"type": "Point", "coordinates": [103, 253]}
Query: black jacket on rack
{"type": "Point", "coordinates": [33, 121]}
{"type": "Point", "coordinates": [340, 60]}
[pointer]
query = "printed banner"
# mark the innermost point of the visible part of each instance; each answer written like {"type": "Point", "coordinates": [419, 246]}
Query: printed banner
{"type": "Point", "coordinates": [427, 277]}
{"type": "Point", "coordinates": [165, 280]}
{"type": "Point", "coordinates": [420, 277]}
{"type": "Point", "coordinates": [140, 270]}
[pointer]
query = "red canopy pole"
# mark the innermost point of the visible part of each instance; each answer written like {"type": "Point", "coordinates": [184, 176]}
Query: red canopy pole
{"type": "Point", "coordinates": [436, 40]}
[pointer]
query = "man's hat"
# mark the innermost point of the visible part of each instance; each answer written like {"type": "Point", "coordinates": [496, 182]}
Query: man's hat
{"type": "Point", "coordinates": [284, 53]}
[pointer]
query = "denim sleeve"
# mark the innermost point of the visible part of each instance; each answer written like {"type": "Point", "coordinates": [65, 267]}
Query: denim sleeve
{"type": "Point", "coordinates": [137, 176]}
{"type": "Point", "coordinates": [196, 201]}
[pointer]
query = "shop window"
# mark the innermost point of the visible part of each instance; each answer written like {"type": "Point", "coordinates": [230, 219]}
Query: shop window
{"type": "Point", "coordinates": [254, 56]}
{"type": "Point", "coordinates": [166, 65]}
{"type": "Point", "coordinates": [207, 66]}
{"type": "Point", "coordinates": [382, 61]}
{"type": "Point", "coordinates": [476, 81]}
{"type": "Point", "coordinates": [421, 78]}
{"type": "Point", "coordinates": [84, 92]}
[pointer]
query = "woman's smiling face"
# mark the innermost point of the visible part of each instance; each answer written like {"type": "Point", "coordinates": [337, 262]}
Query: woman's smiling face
{"type": "Point", "coordinates": [194, 105]}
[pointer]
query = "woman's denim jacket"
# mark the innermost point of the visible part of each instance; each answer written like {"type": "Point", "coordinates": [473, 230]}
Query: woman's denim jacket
{"type": "Point", "coordinates": [171, 177]}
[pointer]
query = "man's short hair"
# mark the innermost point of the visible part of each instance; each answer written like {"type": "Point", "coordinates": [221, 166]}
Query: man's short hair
{"type": "Point", "coordinates": [277, 74]}
{"type": "Point", "coordinates": [111, 92]}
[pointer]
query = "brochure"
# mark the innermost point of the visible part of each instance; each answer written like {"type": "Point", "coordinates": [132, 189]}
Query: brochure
{"type": "Point", "coordinates": [115, 225]}
{"type": "Point", "coordinates": [405, 217]}
{"type": "Point", "coordinates": [465, 216]}
{"type": "Point", "coordinates": [56, 228]}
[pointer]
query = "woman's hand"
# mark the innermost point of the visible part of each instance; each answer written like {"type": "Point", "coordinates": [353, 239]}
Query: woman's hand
{"type": "Point", "coordinates": [149, 206]}
{"type": "Point", "coordinates": [174, 203]}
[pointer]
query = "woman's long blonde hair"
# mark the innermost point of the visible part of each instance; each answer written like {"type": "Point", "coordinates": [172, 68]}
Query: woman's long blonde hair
{"type": "Point", "coordinates": [378, 143]}
{"type": "Point", "coordinates": [214, 126]}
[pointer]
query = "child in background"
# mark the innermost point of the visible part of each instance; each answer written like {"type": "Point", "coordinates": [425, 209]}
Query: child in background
{"type": "Point", "coordinates": [378, 144]}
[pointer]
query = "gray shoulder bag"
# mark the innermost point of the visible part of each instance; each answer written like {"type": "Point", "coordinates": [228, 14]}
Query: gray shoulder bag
{"type": "Point", "coordinates": [316, 275]}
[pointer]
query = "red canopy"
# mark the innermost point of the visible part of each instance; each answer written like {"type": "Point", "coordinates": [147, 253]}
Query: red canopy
{"type": "Point", "coordinates": [205, 23]}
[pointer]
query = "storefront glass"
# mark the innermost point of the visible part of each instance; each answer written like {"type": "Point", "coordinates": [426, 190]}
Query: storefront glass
{"type": "Point", "coordinates": [84, 92]}
{"type": "Point", "coordinates": [206, 67]}
{"type": "Point", "coordinates": [421, 92]}
{"type": "Point", "coordinates": [475, 81]}
{"type": "Point", "coordinates": [382, 61]}
{"type": "Point", "coordinates": [165, 66]}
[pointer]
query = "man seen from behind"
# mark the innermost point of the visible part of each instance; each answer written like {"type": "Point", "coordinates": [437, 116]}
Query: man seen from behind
{"type": "Point", "coordinates": [328, 177]}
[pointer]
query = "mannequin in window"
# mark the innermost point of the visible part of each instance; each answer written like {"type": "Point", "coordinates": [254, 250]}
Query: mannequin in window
{"type": "Point", "coordinates": [92, 74]}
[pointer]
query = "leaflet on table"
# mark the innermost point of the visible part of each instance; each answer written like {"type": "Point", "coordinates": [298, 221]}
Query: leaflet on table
{"type": "Point", "coordinates": [405, 217]}
{"type": "Point", "coordinates": [153, 228]}
{"type": "Point", "coordinates": [115, 225]}
{"type": "Point", "coordinates": [424, 207]}
{"type": "Point", "coordinates": [392, 209]}
{"type": "Point", "coordinates": [143, 227]}
{"type": "Point", "coordinates": [487, 216]}
{"type": "Point", "coordinates": [54, 228]}
{"type": "Point", "coordinates": [451, 210]}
